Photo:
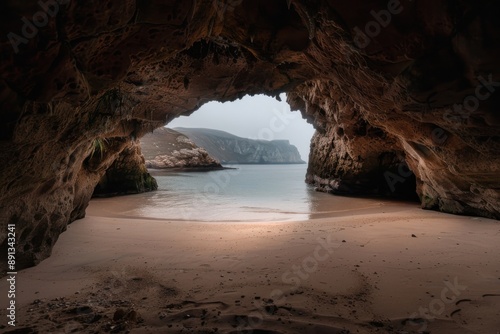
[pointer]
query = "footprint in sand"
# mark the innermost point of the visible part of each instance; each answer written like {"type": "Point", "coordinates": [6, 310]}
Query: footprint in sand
{"type": "Point", "coordinates": [491, 295]}
{"type": "Point", "coordinates": [462, 301]}
{"type": "Point", "coordinates": [479, 315]}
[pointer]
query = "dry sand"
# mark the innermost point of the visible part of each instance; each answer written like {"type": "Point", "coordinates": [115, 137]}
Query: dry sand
{"type": "Point", "coordinates": [370, 270]}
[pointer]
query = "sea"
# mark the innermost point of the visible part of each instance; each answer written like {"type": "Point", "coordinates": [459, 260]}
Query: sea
{"type": "Point", "coordinates": [246, 193]}
{"type": "Point", "coordinates": [242, 193]}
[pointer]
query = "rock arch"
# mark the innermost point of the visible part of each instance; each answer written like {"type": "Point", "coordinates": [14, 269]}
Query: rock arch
{"type": "Point", "coordinates": [79, 89]}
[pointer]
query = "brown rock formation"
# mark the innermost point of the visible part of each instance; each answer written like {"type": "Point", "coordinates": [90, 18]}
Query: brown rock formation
{"type": "Point", "coordinates": [420, 88]}
{"type": "Point", "coordinates": [166, 148]}
{"type": "Point", "coordinates": [127, 175]}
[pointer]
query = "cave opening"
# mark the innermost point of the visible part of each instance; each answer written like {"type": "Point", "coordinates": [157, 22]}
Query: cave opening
{"type": "Point", "coordinates": [262, 148]}
{"type": "Point", "coordinates": [258, 117]}
{"type": "Point", "coordinates": [262, 182]}
{"type": "Point", "coordinates": [403, 97]}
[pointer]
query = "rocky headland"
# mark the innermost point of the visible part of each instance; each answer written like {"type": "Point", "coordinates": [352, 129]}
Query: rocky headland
{"type": "Point", "coordinates": [231, 149]}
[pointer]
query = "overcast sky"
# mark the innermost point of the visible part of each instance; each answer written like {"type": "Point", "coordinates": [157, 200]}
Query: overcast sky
{"type": "Point", "coordinates": [256, 117]}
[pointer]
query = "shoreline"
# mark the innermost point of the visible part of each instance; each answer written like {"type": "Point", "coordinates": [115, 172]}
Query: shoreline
{"type": "Point", "coordinates": [214, 168]}
{"type": "Point", "coordinates": [365, 271]}
{"type": "Point", "coordinates": [157, 171]}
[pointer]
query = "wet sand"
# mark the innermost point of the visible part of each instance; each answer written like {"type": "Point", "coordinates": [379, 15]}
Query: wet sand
{"type": "Point", "coordinates": [387, 268]}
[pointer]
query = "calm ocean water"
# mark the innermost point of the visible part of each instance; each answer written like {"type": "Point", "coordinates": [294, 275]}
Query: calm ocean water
{"type": "Point", "coordinates": [246, 193]}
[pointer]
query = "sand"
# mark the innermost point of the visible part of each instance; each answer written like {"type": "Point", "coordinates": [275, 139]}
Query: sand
{"type": "Point", "coordinates": [385, 268]}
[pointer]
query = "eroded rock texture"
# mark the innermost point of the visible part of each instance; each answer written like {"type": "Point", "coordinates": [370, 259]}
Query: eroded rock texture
{"type": "Point", "coordinates": [127, 175]}
{"type": "Point", "coordinates": [82, 86]}
{"type": "Point", "coordinates": [167, 148]}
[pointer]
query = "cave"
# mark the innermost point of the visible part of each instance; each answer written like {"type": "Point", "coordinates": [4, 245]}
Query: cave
{"type": "Point", "coordinates": [401, 93]}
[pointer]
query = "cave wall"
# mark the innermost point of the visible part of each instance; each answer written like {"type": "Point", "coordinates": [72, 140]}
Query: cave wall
{"type": "Point", "coordinates": [126, 175]}
{"type": "Point", "coordinates": [424, 106]}
{"type": "Point", "coordinates": [417, 90]}
{"type": "Point", "coordinates": [349, 156]}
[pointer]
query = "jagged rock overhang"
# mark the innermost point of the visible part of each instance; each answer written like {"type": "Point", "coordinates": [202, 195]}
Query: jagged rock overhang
{"type": "Point", "coordinates": [113, 74]}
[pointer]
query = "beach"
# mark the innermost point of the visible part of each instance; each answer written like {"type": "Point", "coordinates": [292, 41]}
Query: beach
{"type": "Point", "coordinates": [373, 267]}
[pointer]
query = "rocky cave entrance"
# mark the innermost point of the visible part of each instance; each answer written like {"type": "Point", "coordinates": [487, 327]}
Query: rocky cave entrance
{"type": "Point", "coordinates": [81, 81]}
{"type": "Point", "coordinates": [251, 131]}
{"type": "Point", "coordinates": [239, 160]}
{"type": "Point", "coordinates": [403, 97]}
{"type": "Point", "coordinates": [261, 117]}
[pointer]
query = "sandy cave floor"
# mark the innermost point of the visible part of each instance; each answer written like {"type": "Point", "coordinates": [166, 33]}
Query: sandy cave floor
{"type": "Point", "coordinates": [387, 268]}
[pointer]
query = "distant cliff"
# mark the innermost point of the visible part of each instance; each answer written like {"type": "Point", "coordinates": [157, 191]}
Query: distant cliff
{"type": "Point", "coordinates": [166, 148]}
{"type": "Point", "coordinates": [228, 148]}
